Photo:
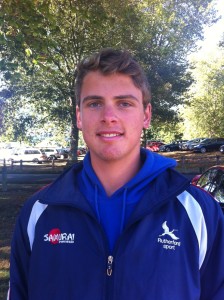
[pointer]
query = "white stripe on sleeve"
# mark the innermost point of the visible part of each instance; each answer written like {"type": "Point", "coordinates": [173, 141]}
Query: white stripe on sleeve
{"type": "Point", "coordinates": [37, 210]}
{"type": "Point", "coordinates": [196, 217]}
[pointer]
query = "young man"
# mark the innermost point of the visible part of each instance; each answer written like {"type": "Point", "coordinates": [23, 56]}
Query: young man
{"type": "Point", "coordinates": [123, 224]}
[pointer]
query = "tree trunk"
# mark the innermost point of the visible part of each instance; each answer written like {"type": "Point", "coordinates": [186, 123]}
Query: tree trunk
{"type": "Point", "coordinates": [74, 136]}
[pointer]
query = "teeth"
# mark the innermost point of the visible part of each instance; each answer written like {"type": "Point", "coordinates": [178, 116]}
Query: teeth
{"type": "Point", "coordinates": [109, 134]}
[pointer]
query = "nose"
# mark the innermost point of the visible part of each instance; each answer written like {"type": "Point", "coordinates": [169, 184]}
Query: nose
{"type": "Point", "coordinates": [109, 114]}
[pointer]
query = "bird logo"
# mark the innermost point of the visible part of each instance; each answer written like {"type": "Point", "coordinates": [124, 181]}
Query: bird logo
{"type": "Point", "coordinates": [168, 232]}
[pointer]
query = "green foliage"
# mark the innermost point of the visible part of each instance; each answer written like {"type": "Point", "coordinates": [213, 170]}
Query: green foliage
{"type": "Point", "coordinates": [41, 42]}
{"type": "Point", "coordinates": [166, 131]}
{"type": "Point", "coordinates": [204, 111]}
{"type": "Point", "coordinates": [171, 29]}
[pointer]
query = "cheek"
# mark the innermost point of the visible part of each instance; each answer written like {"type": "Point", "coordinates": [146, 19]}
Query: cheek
{"type": "Point", "coordinates": [83, 121]}
{"type": "Point", "coordinates": [138, 123]}
{"type": "Point", "coordinates": [88, 137]}
{"type": "Point", "coordinates": [87, 129]}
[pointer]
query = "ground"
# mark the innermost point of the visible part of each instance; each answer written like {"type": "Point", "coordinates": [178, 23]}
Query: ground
{"type": "Point", "coordinates": [10, 203]}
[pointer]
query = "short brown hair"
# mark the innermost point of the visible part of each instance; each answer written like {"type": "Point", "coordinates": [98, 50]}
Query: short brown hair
{"type": "Point", "coordinates": [110, 61]}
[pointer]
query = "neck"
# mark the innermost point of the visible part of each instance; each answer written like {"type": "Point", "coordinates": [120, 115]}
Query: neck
{"type": "Point", "coordinates": [114, 174]}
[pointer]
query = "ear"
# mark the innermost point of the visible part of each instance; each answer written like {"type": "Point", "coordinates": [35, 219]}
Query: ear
{"type": "Point", "coordinates": [78, 118]}
{"type": "Point", "coordinates": [147, 116]}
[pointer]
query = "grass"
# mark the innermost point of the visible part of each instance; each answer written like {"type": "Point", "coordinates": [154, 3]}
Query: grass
{"type": "Point", "coordinates": [10, 203]}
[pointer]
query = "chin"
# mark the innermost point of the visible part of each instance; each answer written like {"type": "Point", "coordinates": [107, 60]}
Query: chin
{"type": "Point", "coordinates": [111, 155]}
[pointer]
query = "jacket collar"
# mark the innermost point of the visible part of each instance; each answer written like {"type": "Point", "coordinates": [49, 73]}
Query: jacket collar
{"type": "Point", "coordinates": [65, 191]}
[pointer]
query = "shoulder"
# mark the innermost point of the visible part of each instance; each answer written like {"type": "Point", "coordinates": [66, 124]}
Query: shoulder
{"type": "Point", "coordinates": [207, 203]}
{"type": "Point", "coordinates": [52, 192]}
{"type": "Point", "coordinates": [203, 210]}
{"type": "Point", "coordinates": [194, 197]}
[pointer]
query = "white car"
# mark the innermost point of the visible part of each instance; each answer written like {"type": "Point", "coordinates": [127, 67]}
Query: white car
{"type": "Point", "coordinates": [5, 153]}
{"type": "Point", "coordinates": [51, 153]}
{"type": "Point", "coordinates": [28, 154]}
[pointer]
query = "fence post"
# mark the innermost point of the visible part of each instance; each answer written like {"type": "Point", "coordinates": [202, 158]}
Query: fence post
{"type": "Point", "coordinates": [21, 164]}
{"type": "Point", "coordinates": [217, 159]}
{"type": "Point", "coordinates": [183, 163]}
{"type": "Point", "coordinates": [12, 162]}
{"type": "Point", "coordinates": [4, 177]}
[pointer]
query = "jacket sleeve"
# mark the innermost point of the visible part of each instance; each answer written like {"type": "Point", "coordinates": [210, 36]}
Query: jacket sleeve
{"type": "Point", "coordinates": [19, 261]}
{"type": "Point", "coordinates": [212, 270]}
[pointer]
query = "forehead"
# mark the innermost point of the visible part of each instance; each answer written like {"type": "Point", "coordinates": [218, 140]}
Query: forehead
{"type": "Point", "coordinates": [115, 84]}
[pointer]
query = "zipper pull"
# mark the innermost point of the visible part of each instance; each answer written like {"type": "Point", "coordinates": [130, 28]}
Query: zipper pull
{"type": "Point", "coordinates": [109, 265]}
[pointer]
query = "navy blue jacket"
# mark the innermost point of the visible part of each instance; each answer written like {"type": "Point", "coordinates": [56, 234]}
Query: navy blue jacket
{"type": "Point", "coordinates": [171, 247]}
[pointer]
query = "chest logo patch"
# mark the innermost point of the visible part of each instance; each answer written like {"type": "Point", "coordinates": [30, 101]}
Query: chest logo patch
{"type": "Point", "coordinates": [170, 239]}
{"type": "Point", "coordinates": [55, 236]}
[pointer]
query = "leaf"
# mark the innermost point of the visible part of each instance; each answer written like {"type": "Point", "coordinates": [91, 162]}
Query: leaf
{"type": "Point", "coordinates": [28, 52]}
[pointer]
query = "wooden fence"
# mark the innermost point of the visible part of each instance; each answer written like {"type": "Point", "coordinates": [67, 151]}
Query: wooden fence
{"type": "Point", "coordinates": [27, 167]}
{"type": "Point", "coordinates": [185, 164]}
{"type": "Point", "coordinates": [11, 164]}
{"type": "Point", "coordinates": [198, 164]}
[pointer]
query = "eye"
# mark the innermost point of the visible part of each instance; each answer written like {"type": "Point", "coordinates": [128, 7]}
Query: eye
{"type": "Point", "coordinates": [125, 104]}
{"type": "Point", "coordinates": [94, 104]}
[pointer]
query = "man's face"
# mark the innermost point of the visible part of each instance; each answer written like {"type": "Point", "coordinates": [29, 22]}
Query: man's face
{"type": "Point", "coordinates": [111, 116]}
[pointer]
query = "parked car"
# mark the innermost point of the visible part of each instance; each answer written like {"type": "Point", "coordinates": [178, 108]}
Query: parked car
{"type": "Point", "coordinates": [221, 149]}
{"type": "Point", "coordinates": [212, 144]}
{"type": "Point", "coordinates": [82, 150]}
{"type": "Point", "coordinates": [5, 153]}
{"type": "Point", "coordinates": [63, 153]}
{"type": "Point", "coordinates": [78, 152]}
{"type": "Point", "coordinates": [154, 145]}
{"type": "Point", "coordinates": [174, 146]}
{"type": "Point", "coordinates": [28, 154]}
{"type": "Point", "coordinates": [189, 145]}
{"type": "Point", "coordinates": [51, 153]}
{"type": "Point", "coordinates": [212, 180]}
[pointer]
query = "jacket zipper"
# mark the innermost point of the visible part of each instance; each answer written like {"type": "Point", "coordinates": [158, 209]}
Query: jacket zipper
{"type": "Point", "coordinates": [109, 278]}
{"type": "Point", "coordinates": [109, 265]}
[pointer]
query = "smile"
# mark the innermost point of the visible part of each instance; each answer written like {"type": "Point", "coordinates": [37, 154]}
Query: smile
{"type": "Point", "coordinates": [109, 135]}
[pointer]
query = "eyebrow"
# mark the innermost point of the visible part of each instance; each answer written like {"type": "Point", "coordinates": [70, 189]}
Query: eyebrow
{"type": "Point", "coordinates": [129, 96]}
{"type": "Point", "coordinates": [91, 97]}
{"type": "Point", "coordinates": [118, 97]}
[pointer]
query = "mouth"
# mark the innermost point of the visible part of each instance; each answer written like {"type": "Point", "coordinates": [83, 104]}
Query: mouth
{"type": "Point", "coordinates": [109, 134]}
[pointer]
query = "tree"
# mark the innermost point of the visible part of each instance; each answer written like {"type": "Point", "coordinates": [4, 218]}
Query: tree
{"type": "Point", "coordinates": [203, 112]}
{"type": "Point", "coordinates": [41, 42]}
{"type": "Point", "coordinates": [221, 43]}
{"type": "Point", "coordinates": [174, 28]}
